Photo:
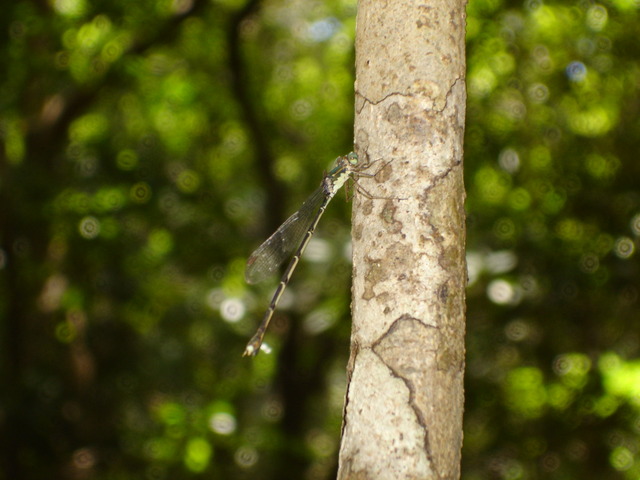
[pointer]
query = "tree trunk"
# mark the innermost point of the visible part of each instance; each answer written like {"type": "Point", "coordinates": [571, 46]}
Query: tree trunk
{"type": "Point", "coordinates": [403, 412]}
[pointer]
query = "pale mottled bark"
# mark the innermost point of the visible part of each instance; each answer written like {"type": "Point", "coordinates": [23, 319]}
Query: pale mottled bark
{"type": "Point", "coordinates": [403, 412]}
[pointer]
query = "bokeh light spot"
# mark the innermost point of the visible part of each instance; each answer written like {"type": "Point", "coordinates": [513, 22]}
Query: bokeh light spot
{"type": "Point", "coordinates": [65, 332]}
{"type": "Point", "coordinates": [502, 292]}
{"type": "Point", "coordinates": [597, 17]}
{"type": "Point", "coordinates": [140, 192]}
{"type": "Point", "coordinates": [509, 160]}
{"type": "Point", "coordinates": [572, 368]}
{"type": "Point", "coordinates": [622, 458]}
{"type": "Point", "coordinates": [89, 227]}
{"type": "Point", "coordinates": [318, 321]}
{"type": "Point", "coordinates": [519, 199]}
{"type": "Point", "coordinates": [246, 457]}
{"type": "Point", "coordinates": [127, 160]}
{"type": "Point", "coordinates": [198, 454]}
{"type": "Point", "coordinates": [504, 229]}
{"type": "Point", "coordinates": [501, 261]}
{"type": "Point", "coordinates": [84, 458]}
{"type": "Point", "coordinates": [232, 309]}
{"type": "Point", "coordinates": [525, 392]}
{"type": "Point", "coordinates": [624, 247]}
{"type": "Point", "coordinates": [223, 423]}
{"type": "Point", "coordinates": [188, 181]}
{"type": "Point", "coordinates": [589, 263]}
{"type": "Point", "coordinates": [576, 71]}
{"type": "Point", "coordinates": [89, 128]}
{"type": "Point", "coordinates": [273, 410]}
{"type": "Point", "coordinates": [322, 30]}
{"type": "Point", "coordinates": [538, 93]}
{"type": "Point", "coordinates": [70, 8]}
{"type": "Point", "coordinates": [517, 330]}
{"type": "Point", "coordinates": [635, 224]}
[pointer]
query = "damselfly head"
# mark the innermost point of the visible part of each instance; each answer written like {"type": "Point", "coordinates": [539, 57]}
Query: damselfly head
{"type": "Point", "coordinates": [352, 158]}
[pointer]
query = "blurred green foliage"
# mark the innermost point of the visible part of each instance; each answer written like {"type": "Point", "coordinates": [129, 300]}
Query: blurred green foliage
{"type": "Point", "coordinates": [553, 201]}
{"type": "Point", "coordinates": [148, 147]}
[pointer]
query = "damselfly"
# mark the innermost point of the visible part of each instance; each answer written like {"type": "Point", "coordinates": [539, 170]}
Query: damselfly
{"type": "Point", "coordinates": [296, 230]}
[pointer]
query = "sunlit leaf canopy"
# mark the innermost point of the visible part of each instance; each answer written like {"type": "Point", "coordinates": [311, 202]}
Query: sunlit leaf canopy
{"type": "Point", "coordinates": [148, 147]}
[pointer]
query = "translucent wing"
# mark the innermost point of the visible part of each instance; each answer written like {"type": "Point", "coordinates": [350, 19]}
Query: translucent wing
{"type": "Point", "coordinates": [268, 257]}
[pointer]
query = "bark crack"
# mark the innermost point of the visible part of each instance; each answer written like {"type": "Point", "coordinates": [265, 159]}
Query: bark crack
{"type": "Point", "coordinates": [352, 361]}
{"type": "Point", "coordinates": [399, 348]}
{"type": "Point", "coordinates": [367, 100]}
{"type": "Point", "coordinates": [450, 92]}
{"type": "Point", "coordinates": [437, 179]}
